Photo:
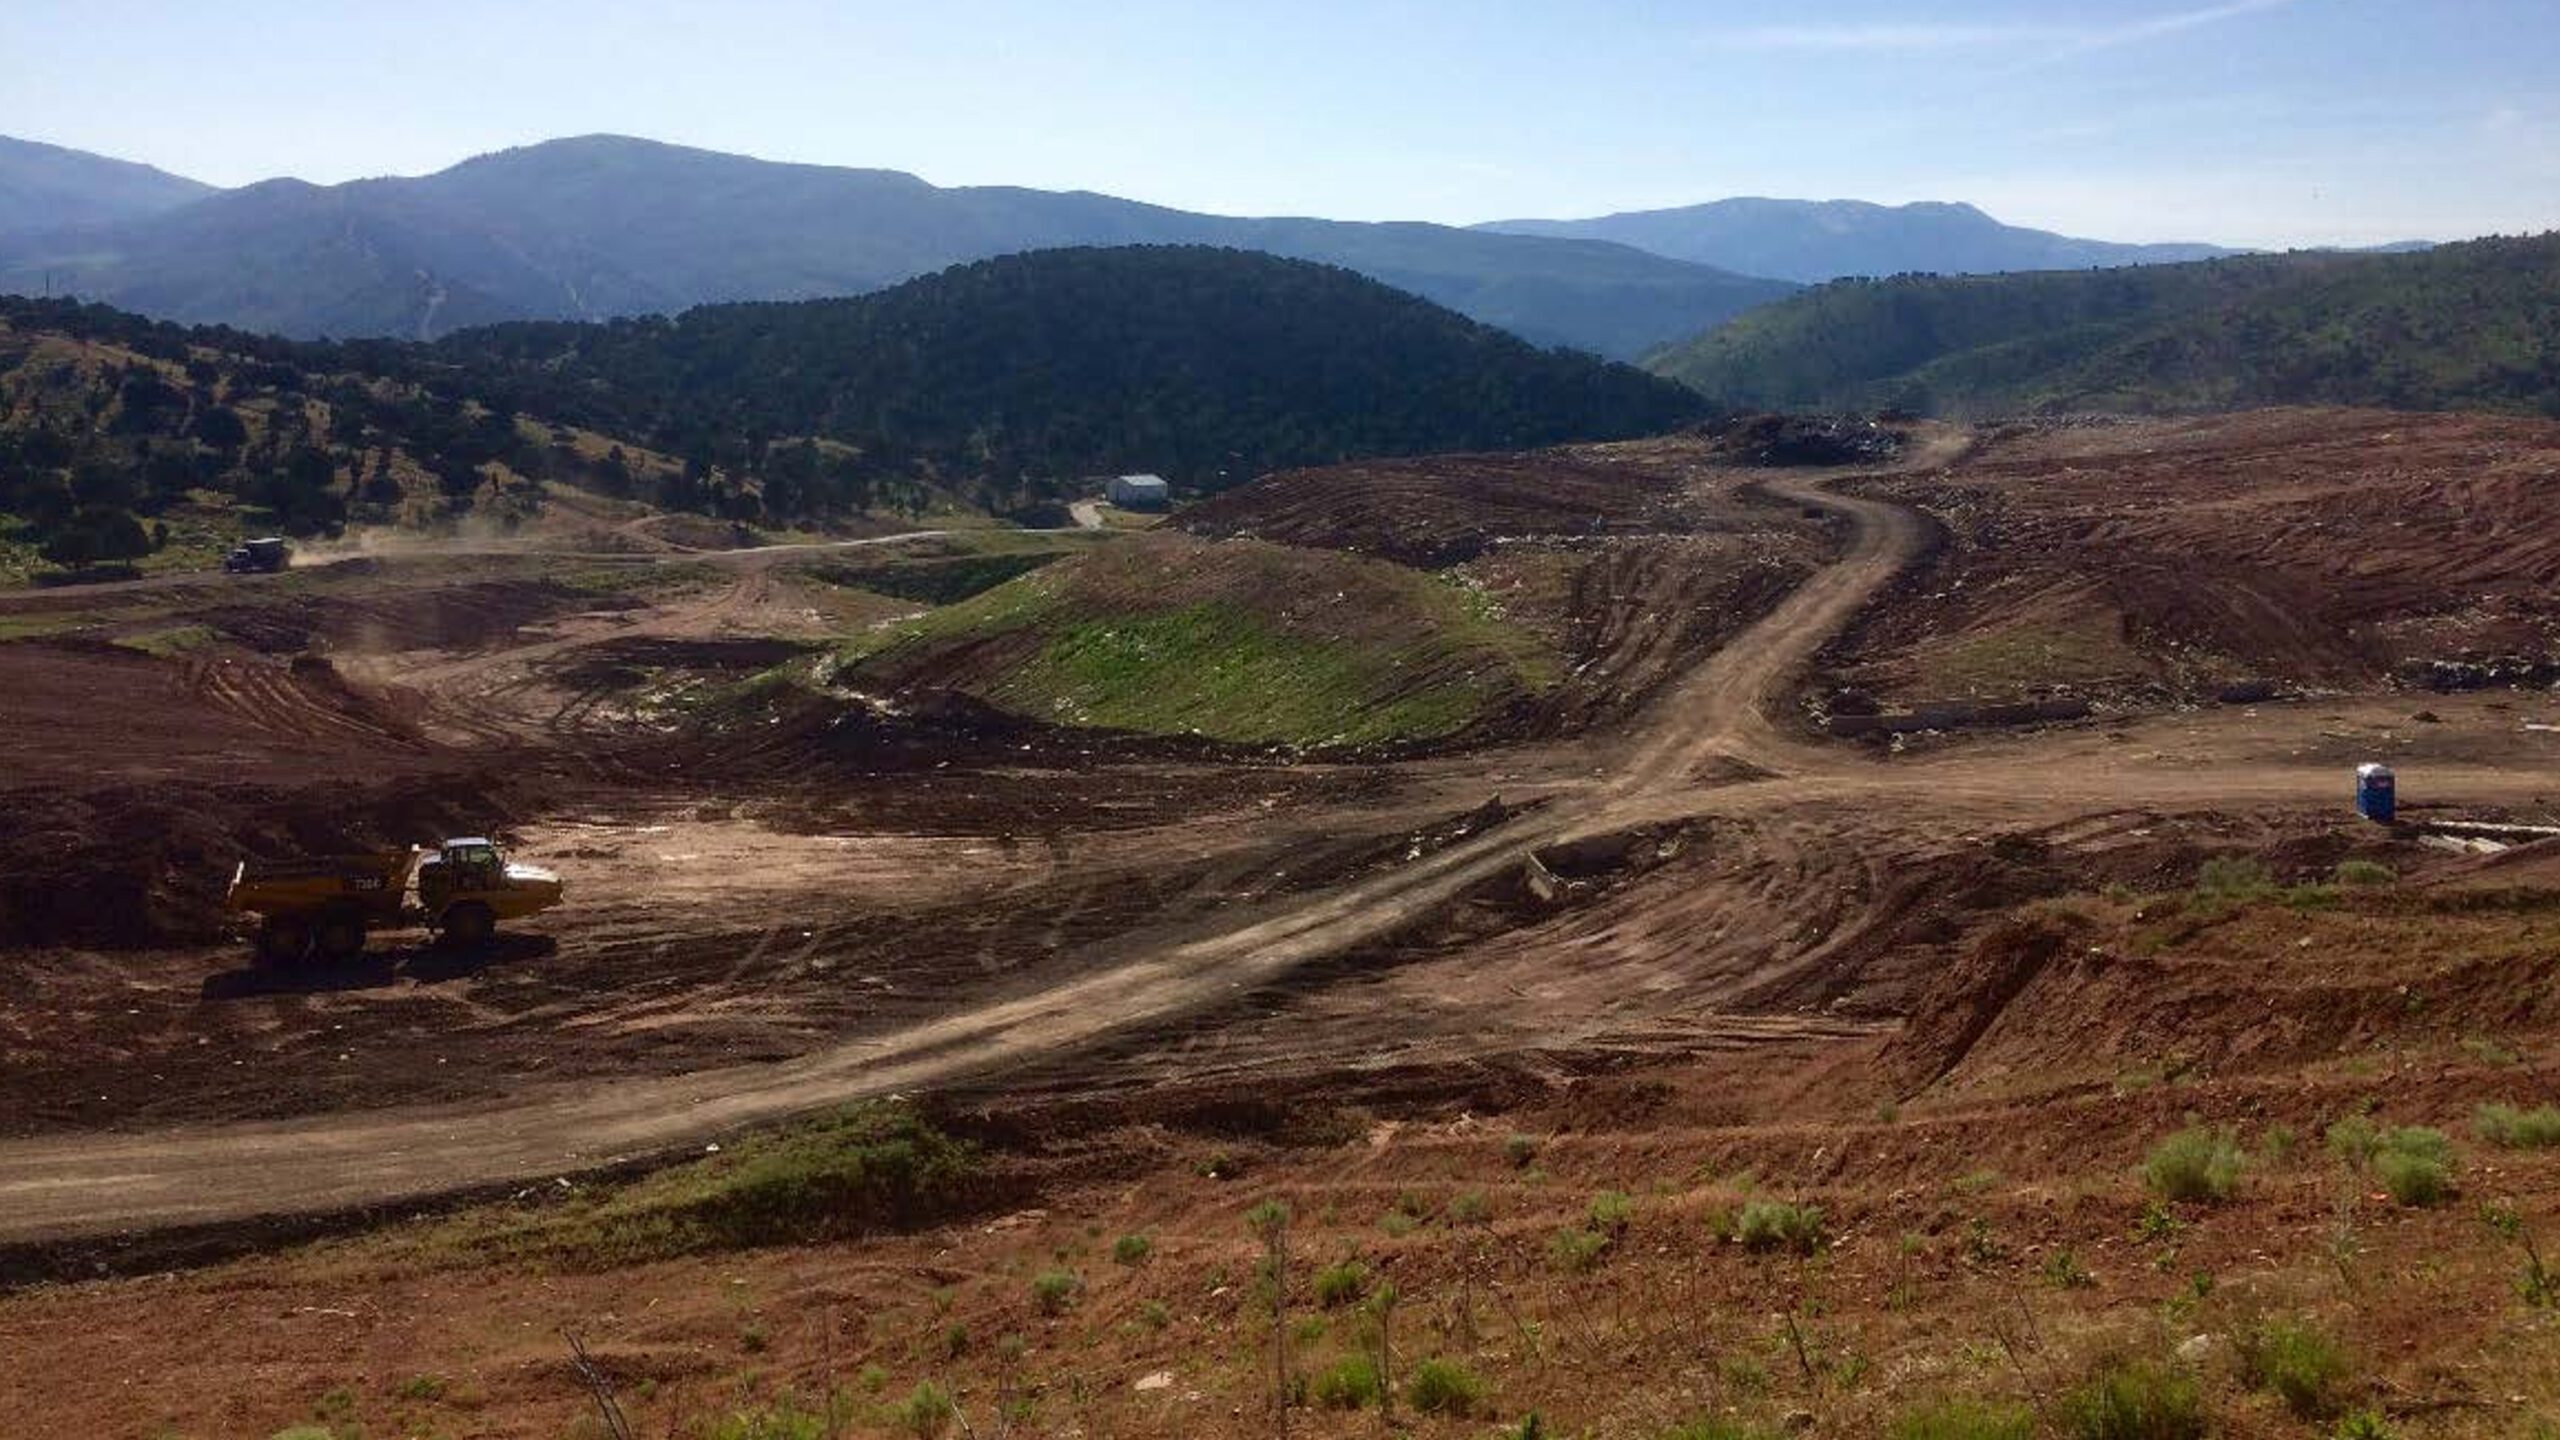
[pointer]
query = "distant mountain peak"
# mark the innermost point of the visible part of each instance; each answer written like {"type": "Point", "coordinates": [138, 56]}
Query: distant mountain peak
{"type": "Point", "coordinates": [1810, 241]}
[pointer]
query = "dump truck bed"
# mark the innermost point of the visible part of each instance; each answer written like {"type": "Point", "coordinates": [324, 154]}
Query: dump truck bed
{"type": "Point", "coordinates": [376, 883]}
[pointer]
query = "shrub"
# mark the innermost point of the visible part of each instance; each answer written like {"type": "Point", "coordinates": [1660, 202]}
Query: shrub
{"type": "Point", "coordinates": [1965, 1420]}
{"type": "Point", "coordinates": [2364, 874]}
{"type": "Point", "coordinates": [2354, 1139]}
{"type": "Point", "coordinates": [955, 1340]}
{"type": "Point", "coordinates": [2233, 878]}
{"type": "Point", "coordinates": [1779, 1225]}
{"type": "Point", "coordinates": [2134, 1400]}
{"type": "Point", "coordinates": [1352, 1384]}
{"type": "Point", "coordinates": [1054, 1290]}
{"type": "Point", "coordinates": [1154, 1315]}
{"type": "Point", "coordinates": [2295, 1360]}
{"type": "Point", "coordinates": [1577, 1249]}
{"type": "Point", "coordinates": [1611, 1210]}
{"type": "Point", "coordinates": [1132, 1249]}
{"type": "Point", "coordinates": [2415, 1164]}
{"type": "Point", "coordinates": [1470, 1208]}
{"type": "Point", "coordinates": [927, 1412]}
{"type": "Point", "coordinates": [2195, 1165]}
{"type": "Point", "coordinates": [1341, 1284]}
{"type": "Point", "coordinates": [2516, 1129]}
{"type": "Point", "coordinates": [2365, 1425]}
{"type": "Point", "coordinates": [1445, 1387]}
{"type": "Point", "coordinates": [2065, 1272]}
{"type": "Point", "coordinates": [1520, 1149]}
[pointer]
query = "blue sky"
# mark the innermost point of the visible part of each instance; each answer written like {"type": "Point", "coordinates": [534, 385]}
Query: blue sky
{"type": "Point", "coordinates": [2263, 122]}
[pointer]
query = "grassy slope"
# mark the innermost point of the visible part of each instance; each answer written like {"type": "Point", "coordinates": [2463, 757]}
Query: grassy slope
{"type": "Point", "coordinates": [1235, 640]}
{"type": "Point", "coordinates": [2462, 326]}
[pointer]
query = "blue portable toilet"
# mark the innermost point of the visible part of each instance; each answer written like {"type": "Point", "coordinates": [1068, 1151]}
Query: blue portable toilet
{"type": "Point", "coordinates": [2374, 798]}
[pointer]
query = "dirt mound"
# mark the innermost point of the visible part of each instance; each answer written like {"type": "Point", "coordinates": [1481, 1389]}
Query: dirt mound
{"type": "Point", "coordinates": [1443, 509]}
{"type": "Point", "coordinates": [1806, 440]}
{"type": "Point", "coordinates": [2164, 561]}
{"type": "Point", "coordinates": [145, 865]}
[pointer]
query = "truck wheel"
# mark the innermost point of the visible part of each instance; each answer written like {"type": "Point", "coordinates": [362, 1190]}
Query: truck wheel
{"type": "Point", "coordinates": [340, 936]}
{"type": "Point", "coordinates": [470, 924]}
{"type": "Point", "coordinates": [283, 940]}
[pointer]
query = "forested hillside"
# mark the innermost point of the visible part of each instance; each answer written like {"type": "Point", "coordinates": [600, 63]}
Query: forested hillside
{"type": "Point", "coordinates": [2474, 325]}
{"type": "Point", "coordinates": [1207, 366]}
{"type": "Point", "coordinates": [1000, 384]}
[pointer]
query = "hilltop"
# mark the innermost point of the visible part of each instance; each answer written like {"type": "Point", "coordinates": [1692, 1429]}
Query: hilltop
{"type": "Point", "coordinates": [601, 226]}
{"type": "Point", "coordinates": [2459, 326]}
{"type": "Point", "coordinates": [46, 187]}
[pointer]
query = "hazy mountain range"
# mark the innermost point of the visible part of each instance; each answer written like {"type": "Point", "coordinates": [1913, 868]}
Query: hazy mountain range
{"type": "Point", "coordinates": [1815, 240]}
{"type": "Point", "coordinates": [601, 226]}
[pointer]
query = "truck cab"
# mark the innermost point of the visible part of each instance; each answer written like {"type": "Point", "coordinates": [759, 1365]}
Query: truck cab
{"type": "Point", "coordinates": [466, 886]}
{"type": "Point", "coordinates": [263, 556]}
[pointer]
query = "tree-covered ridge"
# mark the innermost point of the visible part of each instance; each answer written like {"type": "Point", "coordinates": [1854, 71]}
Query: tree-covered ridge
{"type": "Point", "coordinates": [1002, 383]}
{"type": "Point", "coordinates": [2469, 326]}
{"type": "Point", "coordinates": [1018, 374]}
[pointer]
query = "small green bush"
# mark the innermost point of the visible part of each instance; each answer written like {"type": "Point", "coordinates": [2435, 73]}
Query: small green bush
{"type": "Point", "coordinates": [2295, 1360]}
{"type": "Point", "coordinates": [1445, 1387]}
{"type": "Point", "coordinates": [1352, 1384]}
{"type": "Point", "coordinates": [1520, 1150]}
{"type": "Point", "coordinates": [2415, 1164]}
{"type": "Point", "coordinates": [1577, 1249]}
{"type": "Point", "coordinates": [2195, 1165]}
{"type": "Point", "coordinates": [1611, 1211]}
{"type": "Point", "coordinates": [2354, 1139]}
{"type": "Point", "coordinates": [928, 1411]}
{"type": "Point", "coordinates": [1470, 1208]}
{"type": "Point", "coordinates": [1154, 1315]}
{"type": "Point", "coordinates": [1132, 1249]}
{"type": "Point", "coordinates": [2517, 1129]}
{"type": "Point", "coordinates": [2134, 1400]}
{"type": "Point", "coordinates": [2364, 874]}
{"type": "Point", "coordinates": [1054, 1290]}
{"type": "Point", "coordinates": [2367, 1425]}
{"type": "Point", "coordinates": [2064, 1271]}
{"type": "Point", "coordinates": [1341, 1284]}
{"type": "Point", "coordinates": [2233, 878]}
{"type": "Point", "coordinates": [1965, 1420]}
{"type": "Point", "coordinates": [1779, 1225]}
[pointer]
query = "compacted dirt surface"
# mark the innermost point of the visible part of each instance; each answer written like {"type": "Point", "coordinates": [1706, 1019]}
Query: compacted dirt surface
{"type": "Point", "coordinates": [1681, 866]}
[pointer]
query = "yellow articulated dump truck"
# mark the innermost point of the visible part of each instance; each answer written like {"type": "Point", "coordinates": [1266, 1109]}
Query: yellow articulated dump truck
{"type": "Point", "coordinates": [328, 904]}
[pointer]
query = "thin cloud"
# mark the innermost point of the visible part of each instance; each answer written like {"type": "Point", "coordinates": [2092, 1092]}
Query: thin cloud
{"type": "Point", "coordinates": [2051, 43]}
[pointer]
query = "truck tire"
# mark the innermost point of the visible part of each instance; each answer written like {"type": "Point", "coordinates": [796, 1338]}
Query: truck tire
{"type": "Point", "coordinates": [469, 925]}
{"type": "Point", "coordinates": [340, 935]}
{"type": "Point", "coordinates": [284, 940]}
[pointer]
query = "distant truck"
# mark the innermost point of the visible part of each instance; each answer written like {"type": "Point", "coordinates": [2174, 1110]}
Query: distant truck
{"type": "Point", "coordinates": [328, 904]}
{"type": "Point", "coordinates": [257, 557]}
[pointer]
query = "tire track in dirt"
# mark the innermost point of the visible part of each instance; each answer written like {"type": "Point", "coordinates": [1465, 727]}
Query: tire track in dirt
{"type": "Point", "coordinates": [70, 1186]}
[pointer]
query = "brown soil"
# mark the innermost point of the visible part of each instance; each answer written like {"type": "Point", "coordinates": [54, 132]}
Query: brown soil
{"type": "Point", "coordinates": [1692, 942]}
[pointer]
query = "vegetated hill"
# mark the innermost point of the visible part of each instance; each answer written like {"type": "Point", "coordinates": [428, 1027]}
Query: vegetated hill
{"type": "Point", "coordinates": [2473, 325]}
{"type": "Point", "coordinates": [129, 440]}
{"type": "Point", "coordinates": [1815, 240]}
{"type": "Point", "coordinates": [1206, 366]}
{"type": "Point", "coordinates": [1234, 640]}
{"type": "Point", "coordinates": [997, 384]}
{"type": "Point", "coordinates": [46, 187]}
{"type": "Point", "coordinates": [604, 226]}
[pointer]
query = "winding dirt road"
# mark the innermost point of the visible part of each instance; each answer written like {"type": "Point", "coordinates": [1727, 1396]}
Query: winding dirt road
{"type": "Point", "coordinates": [94, 1185]}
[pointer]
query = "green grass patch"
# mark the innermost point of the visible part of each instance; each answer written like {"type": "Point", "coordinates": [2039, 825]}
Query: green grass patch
{"type": "Point", "coordinates": [1351, 1384]}
{"type": "Point", "coordinates": [2196, 1165]}
{"type": "Point", "coordinates": [1446, 1387]}
{"type": "Point", "coordinates": [2134, 1400]}
{"type": "Point", "coordinates": [171, 640]}
{"type": "Point", "coordinates": [862, 1169]}
{"type": "Point", "coordinates": [1962, 1419]}
{"type": "Point", "coordinates": [2295, 1360]}
{"type": "Point", "coordinates": [2514, 1128]}
{"type": "Point", "coordinates": [1779, 1225]}
{"type": "Point", "coordinates": [1236, 641]}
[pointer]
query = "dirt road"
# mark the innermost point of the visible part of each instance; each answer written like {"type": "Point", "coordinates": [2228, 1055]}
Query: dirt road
{"type": "Point", "coordinates": [1706, 747]}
